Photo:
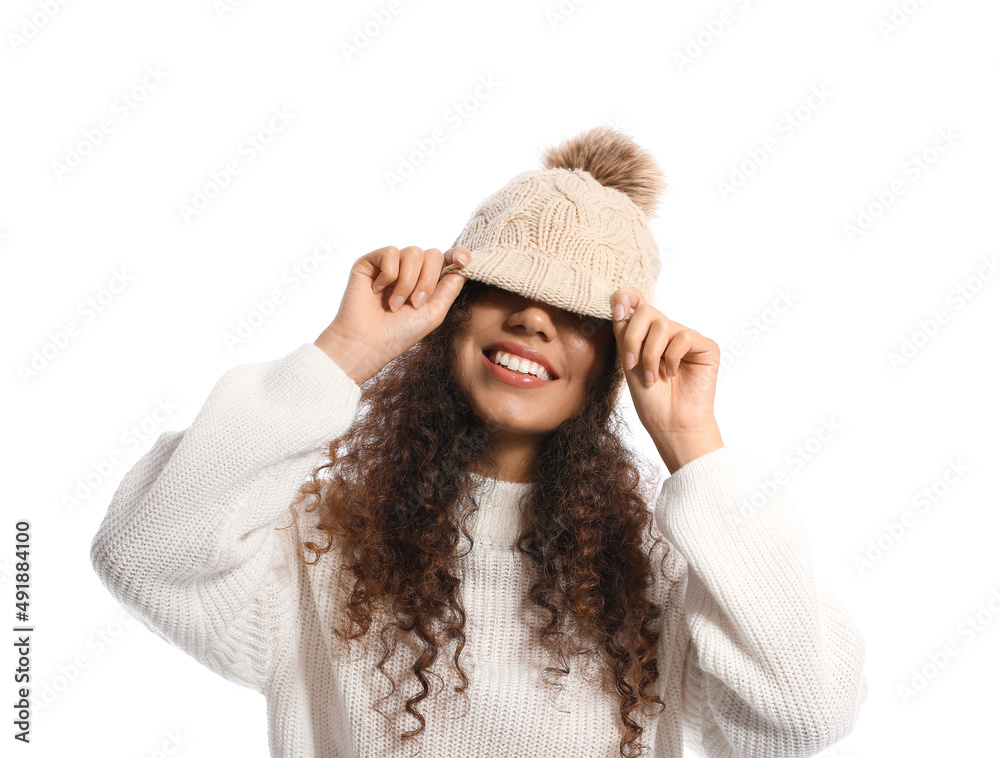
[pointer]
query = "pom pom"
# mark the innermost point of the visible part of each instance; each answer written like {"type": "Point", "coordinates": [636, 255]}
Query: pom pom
{"type": "Point", "coordinates": [614, 160]}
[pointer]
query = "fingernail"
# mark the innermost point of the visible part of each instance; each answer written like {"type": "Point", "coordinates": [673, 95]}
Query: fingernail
{"type": "Point", "coordinates": [378, 287]}
{"type": "Point", "coordinates": [462, 258]}
{"type": "Point", "coordinates": [418, 299]}
{"type": "Point", "coordinates": [619, 312]}
{"type": "Point", "coordinates": [397, 301]}
{"type": "Point", "coordinates": [629, 360]}
{"type": "Point", "coordinates": [649, 377]}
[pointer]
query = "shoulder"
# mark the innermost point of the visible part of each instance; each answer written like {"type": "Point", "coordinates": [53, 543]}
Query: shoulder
{"type": "Point", "coordinates": [669, 567]}
{"type": "Point", "coordinates": [299, 525]}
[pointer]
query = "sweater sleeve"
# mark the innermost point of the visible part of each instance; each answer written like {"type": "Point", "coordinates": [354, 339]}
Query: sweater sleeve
{"type": "Point", "coordinates": [773, 662]}
{"type": "Point", "coordinates": [188, 542]}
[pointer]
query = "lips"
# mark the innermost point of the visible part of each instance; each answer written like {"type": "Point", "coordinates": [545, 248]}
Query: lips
{"type": "Point", "coordinates": [523, 352]}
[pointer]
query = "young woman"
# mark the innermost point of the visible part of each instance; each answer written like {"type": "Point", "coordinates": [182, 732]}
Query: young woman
{"type": "Point", "coordinates": [423, 531]}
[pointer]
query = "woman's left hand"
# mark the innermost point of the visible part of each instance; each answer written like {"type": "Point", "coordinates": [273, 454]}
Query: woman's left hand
{"type": "Point", "coordinates": [671, 376]}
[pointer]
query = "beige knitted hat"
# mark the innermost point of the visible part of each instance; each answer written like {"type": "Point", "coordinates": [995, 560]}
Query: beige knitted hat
{"type": "Point", "coordinates": [573, 233]}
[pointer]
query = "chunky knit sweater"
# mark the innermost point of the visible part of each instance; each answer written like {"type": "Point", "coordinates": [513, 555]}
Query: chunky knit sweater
{"type": "Point", "coordinates": [757, 658]}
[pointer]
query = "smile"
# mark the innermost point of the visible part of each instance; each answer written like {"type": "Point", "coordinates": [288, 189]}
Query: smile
{"type": "Point", "coordinates": [521, 375]}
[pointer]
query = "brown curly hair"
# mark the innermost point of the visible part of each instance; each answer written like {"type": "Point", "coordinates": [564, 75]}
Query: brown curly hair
{"type": "Point", "coordinates": [396, 498]}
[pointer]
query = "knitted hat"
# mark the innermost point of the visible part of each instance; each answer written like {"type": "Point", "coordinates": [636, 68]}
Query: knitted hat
{"type": "Point", "coordinates": [570, 235]}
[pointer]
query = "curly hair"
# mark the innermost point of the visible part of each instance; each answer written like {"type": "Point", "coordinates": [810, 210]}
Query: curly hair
{"type": "Point", "coordinates": [396, 498]}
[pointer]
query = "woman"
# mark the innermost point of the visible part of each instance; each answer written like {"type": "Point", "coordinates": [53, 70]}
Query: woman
{"type": "Point", "coordinates": [480, 529]}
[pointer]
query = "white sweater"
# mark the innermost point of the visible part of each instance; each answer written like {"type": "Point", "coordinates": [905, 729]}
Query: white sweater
{"type": "Point", "coordinates": [759, 659]}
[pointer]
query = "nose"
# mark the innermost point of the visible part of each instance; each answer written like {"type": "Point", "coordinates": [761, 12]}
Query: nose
{"type": "Point", "coordinates": [535, 317]}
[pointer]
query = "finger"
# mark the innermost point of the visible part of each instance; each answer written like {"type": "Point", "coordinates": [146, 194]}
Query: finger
{"type": "Point", "coordinates": [680, 345]}
{"type": "Point", "coordinates": [451, 259]}
{"type": "Point", "coordinates": [386, 261]}
{"type": "Point", "coordinates": [446, 291]}
{"type": "Point", "coordinates": [653, 349]}
{"type": "Point", "coordinates": [430, 273]}
{"type": "Point", "coordinates": [411, 261]}
{"type": "Point", "coordinates": [628, 298]}
{"type": "Point", "coordinates": [631, 334]}
{"type": "Point", "coordinates": [701, 349]}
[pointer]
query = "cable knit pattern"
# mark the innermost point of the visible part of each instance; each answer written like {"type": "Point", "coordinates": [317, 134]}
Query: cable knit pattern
{"type": "Point", "coordinates": [757, 658]}
{"type": "Point", "coordinates": [561, 237]}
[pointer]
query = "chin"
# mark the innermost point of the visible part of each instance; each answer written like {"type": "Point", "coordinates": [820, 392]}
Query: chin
{"type": "Point", "coordinates": [514, 417]}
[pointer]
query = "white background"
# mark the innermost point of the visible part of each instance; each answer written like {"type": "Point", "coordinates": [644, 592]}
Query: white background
{"type": "Point", "coordinates": [894, 81]}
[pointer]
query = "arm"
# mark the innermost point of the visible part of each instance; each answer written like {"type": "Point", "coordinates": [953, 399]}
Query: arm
{"type": "Point", "coordinates": [773, 662]}
{"type": "Point", "coordinates": [188, 542]}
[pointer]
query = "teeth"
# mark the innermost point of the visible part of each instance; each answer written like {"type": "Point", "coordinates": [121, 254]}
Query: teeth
{"type": "Point", "coordinates": [521, 365]}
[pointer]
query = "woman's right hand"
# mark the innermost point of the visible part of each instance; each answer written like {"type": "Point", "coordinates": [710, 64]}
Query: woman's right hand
{"type": "Point", "coordinates": [370, 328]}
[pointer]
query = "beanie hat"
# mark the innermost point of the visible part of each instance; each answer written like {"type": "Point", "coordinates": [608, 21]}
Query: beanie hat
{"type": "Point", "coordinates": [573, 233]}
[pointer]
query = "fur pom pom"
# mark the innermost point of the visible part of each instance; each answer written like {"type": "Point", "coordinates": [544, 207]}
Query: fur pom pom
{"type": "Point", "coordinates": [614, 160]}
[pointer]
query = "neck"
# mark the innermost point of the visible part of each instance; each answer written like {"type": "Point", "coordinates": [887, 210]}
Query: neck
{"type": "Point", "coordinates": [511, 457]}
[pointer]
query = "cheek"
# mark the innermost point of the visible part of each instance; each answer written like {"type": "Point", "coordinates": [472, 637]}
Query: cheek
{"type": "Point", "coordinates": [591, 356]}
{"type": "Point", "coordinates": [579, 350]}
{"type": "Point", "coordinates": [581, 364]}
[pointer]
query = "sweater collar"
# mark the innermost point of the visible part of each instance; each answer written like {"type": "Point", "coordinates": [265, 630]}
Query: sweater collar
{"type": "Point", "coordinates": [499, 514]}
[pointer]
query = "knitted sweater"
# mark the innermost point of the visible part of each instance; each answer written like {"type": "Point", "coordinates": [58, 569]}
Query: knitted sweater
{"type": "Point", "coordinates": [757, 658]}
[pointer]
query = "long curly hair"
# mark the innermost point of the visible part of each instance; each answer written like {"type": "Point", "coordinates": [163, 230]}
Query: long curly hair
{"type": "Point", "coordinates": [394, 489]}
